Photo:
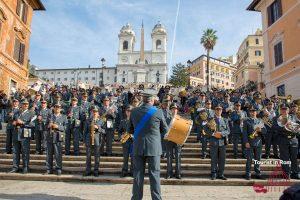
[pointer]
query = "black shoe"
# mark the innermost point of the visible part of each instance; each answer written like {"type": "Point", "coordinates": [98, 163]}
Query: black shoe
{"type": "Point", "coordinates": [58, 173]}
{"type": "Point", "coordinates": [123, 174]}
{"type": "Point", "coordinates": [25, 170]}
{"type": "Point", "coordinates": [14, 170]}
{"type": "Point", "coordinates": [96, 173]}
{"type": "Point", "coordinates": [178, 176]}
{"type": "Point", "coordinates": [235, 157]}
{"type": "Point", "coordinates": [213, 177]}
{"type": "Point", "coordinates": [295, 176]}
{"type": "Point", "coordinates": [168, 177]}
{"type": "Point", "coordinates": [87, 173]}
{"type": "Point", "coordinates": [8, 152]}
{"type": "Point", "coordinates": [248, 177]}
{"type": "Point", "coordinates": [259, 176]}
{"type": "Point", "coordinates": [222, 177]}
{"type": "Point", "coordinates": [203, 156]}
{"type": "Point", "coordinates": [49, 172]}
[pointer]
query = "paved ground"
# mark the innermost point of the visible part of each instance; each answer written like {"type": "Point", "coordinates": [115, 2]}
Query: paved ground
{"type": "Point", "coordinates": [38, 190]}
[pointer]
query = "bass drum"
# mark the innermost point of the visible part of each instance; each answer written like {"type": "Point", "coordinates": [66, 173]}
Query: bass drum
{"type": "Point", "coordinates": [179, 131]}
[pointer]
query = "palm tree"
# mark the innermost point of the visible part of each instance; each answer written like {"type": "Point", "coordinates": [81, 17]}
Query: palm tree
{"type": "Point", "coordinates": [208, 40]}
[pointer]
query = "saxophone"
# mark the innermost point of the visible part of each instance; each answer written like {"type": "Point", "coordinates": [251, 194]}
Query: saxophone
{"type": "Point", "coordinates": [125, 137]}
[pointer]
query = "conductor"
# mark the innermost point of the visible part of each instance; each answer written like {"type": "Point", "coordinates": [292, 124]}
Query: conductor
{"type": "Point", "coordinates": [147, 124]}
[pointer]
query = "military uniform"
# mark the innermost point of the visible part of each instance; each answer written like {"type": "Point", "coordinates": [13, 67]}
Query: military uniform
{"type": "Point", "coordinates": [73, 129]}
{"type": "Point", "coordinates": [127, 147]}
{"type": "Point", "coordinates": [288, 146]}
{"type": "Point", "coordinates": [93, 147]}
{"type": "Point", "coordinates": [173, 148]}
{"type": "Point", "coordinates": [108, 136]}
{"type": "Point", "coordinates": [147, 147]}
{"type": "Point", "coordinates": [255, 150]}
{"type": "Point", "coordinates": [21, 139]}
{"type": "Point", "coordinates": [236, 124]}
{"type": "Point", "coordinates": [218, 146]}
{"type": "Point", "coordinates": [40, 128]}
{"type": "Point", "coordinates": [200, 123]}
{"type": "Point", "coordinates": [54, 140]}
{"type": "Point", "coordinates": [168, 117]}
{"type": "Point", "coordinates": [11, 113]}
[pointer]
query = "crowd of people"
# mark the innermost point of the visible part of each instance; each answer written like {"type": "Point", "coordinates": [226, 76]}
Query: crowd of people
{"type": "Point", "coordinates": [61, 116]}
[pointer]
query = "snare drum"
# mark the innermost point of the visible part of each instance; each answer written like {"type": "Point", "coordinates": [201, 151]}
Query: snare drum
{"type": "Point", "coordinates": [179, 131]}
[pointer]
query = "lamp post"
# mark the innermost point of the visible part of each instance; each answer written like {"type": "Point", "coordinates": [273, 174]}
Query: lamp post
{"type": "Point", "coordinates": [157, 76]}
{"type": "Point", "coordinates": [261, 66]}
{"type": "Point", "coordinates": [102, 77]}
{"type": "Point", "coordinates": [189, 64]}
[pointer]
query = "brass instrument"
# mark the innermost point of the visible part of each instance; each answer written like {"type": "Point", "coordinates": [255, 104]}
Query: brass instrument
{"type": "Point", "coordinates": [212, 125]}
{"type": "Point", "coordinates": [292, 128]}
{"type": "Point", "coordinates": [203, 116]}
{"type": "Point", "coordinates": [267, 121]}
{"type": "Point", "coordinates": [255, 132]}
{"type": "Point", "coordinates": [125, 137]}
{"type": "Point", "coordinates": [92, 132]}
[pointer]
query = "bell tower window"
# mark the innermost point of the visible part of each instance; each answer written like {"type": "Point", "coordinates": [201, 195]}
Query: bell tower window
{"type": "Point", "coordinates": [158, 44]}
{"type": "Point", "coordinates": [125, 45]}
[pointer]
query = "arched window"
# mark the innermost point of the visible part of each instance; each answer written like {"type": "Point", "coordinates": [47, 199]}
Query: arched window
{"type": "Point", "coordinates": [158, 44]}
{"type": "Point", "coordinates": [125, 45]}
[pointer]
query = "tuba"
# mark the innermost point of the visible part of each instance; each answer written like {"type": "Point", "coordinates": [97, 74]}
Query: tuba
{"type": "Point", "coordinates": [291, 128]}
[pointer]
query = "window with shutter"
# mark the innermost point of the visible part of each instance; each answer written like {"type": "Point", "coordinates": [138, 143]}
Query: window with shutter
{"type": "Point", "coordinates": [274, 12]}
{"type": "Point", "coordinates": [25, 12]}
{"type": "Point", "coordinates": [17, 50]}
{"type": "Point", "coordinates": [278, 55]}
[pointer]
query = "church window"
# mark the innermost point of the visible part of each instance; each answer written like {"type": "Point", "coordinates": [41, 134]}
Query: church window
{"type": "Point", "coordinates": [125, 45]}
{"type": "Point", "coordinates": [136, 62]}
{"type": "Point", "coordinates": [158, 44]}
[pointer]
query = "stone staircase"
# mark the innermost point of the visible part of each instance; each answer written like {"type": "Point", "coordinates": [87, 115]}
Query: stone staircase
{"type": "Point", "coordinates": [195, 171]}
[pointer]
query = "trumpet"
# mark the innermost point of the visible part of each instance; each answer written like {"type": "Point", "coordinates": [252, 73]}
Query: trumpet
{"type": "Point", "coordinates": [125, 137]}
{"type": "Point", "coordinates": [255, 132]}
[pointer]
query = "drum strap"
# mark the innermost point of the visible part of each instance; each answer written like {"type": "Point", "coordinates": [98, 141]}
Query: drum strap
{"type": "Point", "coordinates": [143, 121]}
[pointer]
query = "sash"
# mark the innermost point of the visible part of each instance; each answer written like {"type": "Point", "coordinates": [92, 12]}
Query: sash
{"type": "Point", "coordinates": [143, 121]}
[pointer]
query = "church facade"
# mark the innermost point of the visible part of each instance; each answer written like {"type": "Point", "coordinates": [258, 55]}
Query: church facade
{"type": "Point", "coordinates": [142, 66]}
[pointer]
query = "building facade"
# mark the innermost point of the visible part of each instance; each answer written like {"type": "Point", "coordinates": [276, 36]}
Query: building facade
{"type": "Point", "coordinates": [142, 66]}
{"type": "Point", "coordinates": [250, 56]}
{"type": "Point", "coordinates": [221, 72]}
{"type": "Point", "coordinates": [90, 76]}
{"type": "Point", "coordinates": [281, 30]}
{"type": "Point", "coordinates": [15, 30]}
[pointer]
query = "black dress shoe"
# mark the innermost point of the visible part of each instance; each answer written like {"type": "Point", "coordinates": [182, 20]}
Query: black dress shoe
{"type": "Point", "coordinates": [203, 156]}
{"type": "Point", "coordinates": [87, 173]}
{"type": "Point", "coordinates": [213, 177]}
{"type": "Point", "coordinates": [168, 177]}
{"type": "Point", "coordinates": [14, 170]}
{"type": "Point", "coordinates": [295, 176]}
{"type": "Point", "coordinates": [96, 173]}
{"type": "Point", "coordinates": [58, 173]}
{"type": "Point", "coordinates": [49, 172]}
{"type": "Point", "coordinates": [25, 170]}
{"type": "Point", "coordinates": [123, 174]}
{"type": "Point", "coordinates": [248, 177]}
{"type": "Point", "coordinates": [259, 176]}
{"type": "Point", "coordinates": [222, 177]}
{"type": "Point", "coordinates": [178, 176]}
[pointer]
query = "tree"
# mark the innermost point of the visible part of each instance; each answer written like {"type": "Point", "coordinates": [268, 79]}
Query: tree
{"type": "Point", "coordinates": [208, 40]}
{"type": "Point", "coordinates": [179, 75]}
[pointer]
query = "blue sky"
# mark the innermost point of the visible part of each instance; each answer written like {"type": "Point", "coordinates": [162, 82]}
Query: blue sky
{"type": "Point", "coordinates": [78, 33]}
